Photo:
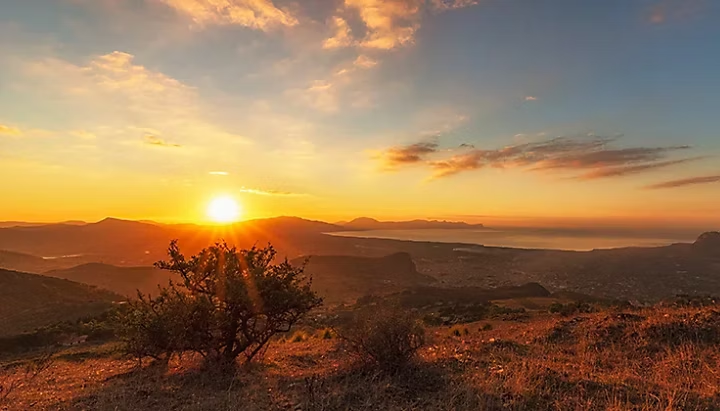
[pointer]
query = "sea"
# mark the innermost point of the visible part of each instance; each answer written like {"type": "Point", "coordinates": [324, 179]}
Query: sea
{"type": "Point", "coordinates": [534, 238]}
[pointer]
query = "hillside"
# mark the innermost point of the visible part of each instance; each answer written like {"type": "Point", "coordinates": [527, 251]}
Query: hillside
{"type": "Point", "coordinates": [657, 358]}
{"type": "Point", "coordinates": [11, 260]}
{"type": "Point", "coordinates": [343, 278]}
{"type": "Point", "coordinates": [28, 301]}
{"type": "Point", "coordinates": [121, 280]}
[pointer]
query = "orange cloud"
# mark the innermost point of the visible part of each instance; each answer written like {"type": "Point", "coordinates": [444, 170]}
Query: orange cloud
{"type": "Point", "coordinates": [115, 84]}
{"type": "Point", "coordinates": [365, 62]}
{"type": "Point", "coordinates": [270, 192]}
{"type": "Point", "coordinates": [395, 157]}
{"type": "Point", "coordinates": [256, 14]}
{"type": "Point", "coordinates": [342, 36]}
{"type": "Point", "coordinates": [685, 182]}
{"type": "Point", "coordinates": [590, 154]}
{"type": "Point", "coordinates": [157, 141]}
{"type": "Point", "coordinates": [9, 130]}
{"type": "Point", "coordinates": [389, 23]}
{"type": "Point", "coordinates": [322, 95]}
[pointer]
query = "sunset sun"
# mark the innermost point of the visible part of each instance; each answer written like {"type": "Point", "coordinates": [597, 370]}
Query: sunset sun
{"type": "Point", "coordinates": [223, 210]}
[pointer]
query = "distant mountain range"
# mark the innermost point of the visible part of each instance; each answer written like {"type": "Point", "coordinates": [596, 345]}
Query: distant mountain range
{"type": "Point", "coordinates": [365, 223]}
{"type": "Point", "coordinates": [122, 253]}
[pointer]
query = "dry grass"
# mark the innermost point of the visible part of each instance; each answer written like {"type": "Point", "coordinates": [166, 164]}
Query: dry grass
{"type": "Point", "coordinates": [657, 359]}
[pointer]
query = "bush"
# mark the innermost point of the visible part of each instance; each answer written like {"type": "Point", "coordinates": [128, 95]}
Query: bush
{"type": "Point", "coordinates": [458, 331]}
{"type": "Point", "coordinates": [569, 309]}
{"type": "Point", "coordinates": [386, 337]}
{"type": "Point", "coordinates": [229, 303]}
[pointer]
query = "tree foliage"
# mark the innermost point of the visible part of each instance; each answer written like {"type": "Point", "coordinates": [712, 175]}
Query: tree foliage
{"type": "Point", "coordinates": [228, 303]}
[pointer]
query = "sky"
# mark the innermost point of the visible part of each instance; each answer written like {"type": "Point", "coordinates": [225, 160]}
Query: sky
{"type": "Point", "coordinates": [562, 111]}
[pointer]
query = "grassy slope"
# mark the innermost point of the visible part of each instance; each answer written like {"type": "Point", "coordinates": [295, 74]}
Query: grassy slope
{"type": "Point", "coordinates": [28, 301]}
{"type": "Point", "coordinates": [655, 359]}
{"type": "Point", "coordinates": [122, 280]}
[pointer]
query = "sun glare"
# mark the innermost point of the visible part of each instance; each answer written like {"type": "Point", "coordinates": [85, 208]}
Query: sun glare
{"type": "Point", "coordinates": [223, 210]}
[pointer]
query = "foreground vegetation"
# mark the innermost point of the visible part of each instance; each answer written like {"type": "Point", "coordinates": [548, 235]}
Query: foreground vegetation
{"type": "Point", "coordinates": [665, 357]}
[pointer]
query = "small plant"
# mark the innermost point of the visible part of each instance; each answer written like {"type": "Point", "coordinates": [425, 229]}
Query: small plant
{"type": "Point", "coordinates": [386, 337]}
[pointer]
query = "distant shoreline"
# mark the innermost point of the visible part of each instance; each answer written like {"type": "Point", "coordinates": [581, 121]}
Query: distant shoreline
{"type": "Point", "coordinates": [520, 239]}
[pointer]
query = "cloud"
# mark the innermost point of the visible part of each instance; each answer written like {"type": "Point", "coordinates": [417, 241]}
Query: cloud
{"type": "Point", "coordinates": [590, 156]}
{"type": "Point", "coordinates": [628, 170]}
{"type": "Point", "coordinates": [530, 98]}
{"type": "Point", "coordinates": [673, 10]}
{"type": "Point", "coordinates": [83, 134]}
{"type": "Point", "coordinates": [395, 157]}
{"type": "Point", "coordinates": [256, 14]}
{"type": "Point", "coordinates": [322, 95]}
{"type": "Point", "coordinates": [127, 96]}
{"type": "Point", "coordinates": [9, 130]}
{"type": "Point", "coordinates": [452, 4]}
{"type": "Point", "coordinates": [685, 182]}
{"type": "Point", "coordinates": [365, 62]}
{"type": "Point", "coordinates": [218, 173]}
{"type": "Point", "coordinates": [270, 192]}
{"type": "Point", "coordinates": [342, 36]}
{"type": "Point", "coordinates": [157, 141]}
{"type": "Point", "coordinates": [391, 24]}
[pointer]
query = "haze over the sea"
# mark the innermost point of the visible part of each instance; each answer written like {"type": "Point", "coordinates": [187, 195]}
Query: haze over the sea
{"type": "Point", "coordinates": [576, 240]}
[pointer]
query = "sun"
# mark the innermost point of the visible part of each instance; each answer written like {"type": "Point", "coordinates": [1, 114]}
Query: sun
{"type": "Point", "coordinates": [223, 210]}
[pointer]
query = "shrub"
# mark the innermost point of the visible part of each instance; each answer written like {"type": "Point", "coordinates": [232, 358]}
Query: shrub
{"type": "Point", "coordinates": [569, 309]}
{"type": "Point", "coordinates": [299, 336]}
{"type": "Point", "coordinates": [327, 334]}
{"type": "Point", "coordinates": [459, 331]}
{"type": "Point", "coordinates": [229, 303]}
{"type": "Point", "coordinates": [701, 328]}
{"type": "Point", "coordinates": [386, 337]}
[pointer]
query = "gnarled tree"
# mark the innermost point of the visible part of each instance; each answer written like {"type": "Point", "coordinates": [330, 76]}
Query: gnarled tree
{"type": "Point", "coordinates": [229, 303]}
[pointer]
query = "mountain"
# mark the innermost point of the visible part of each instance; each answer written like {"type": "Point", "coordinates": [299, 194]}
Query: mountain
{"type": "Point", "coordinates": [123, 242]}
{"type": "Point", "coordinates": [11, 260]}
{"type": "Point", "coordinates": [5, 224]}
{"type": "Point", "coordinates": [343, 278]}
{"type": "Point", "coordinates": [28, 301]}
{"type": "Point", "coordinates": [121, 280]}
{"type": "Point", "coordinates": [289, 225]}
{"type": "Point", "coordinates": [365, 223]}
{"type": "Point", "coordinates": [708, 242]}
